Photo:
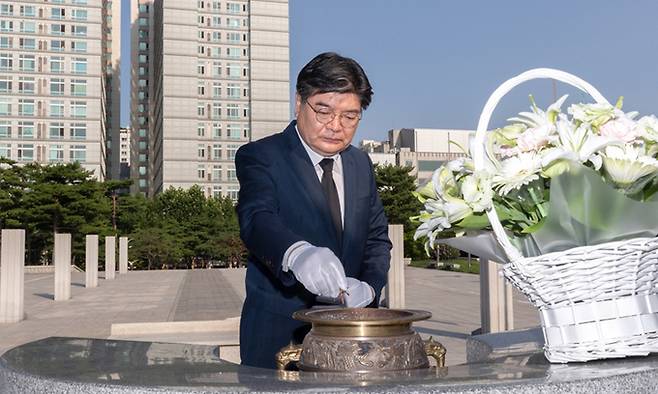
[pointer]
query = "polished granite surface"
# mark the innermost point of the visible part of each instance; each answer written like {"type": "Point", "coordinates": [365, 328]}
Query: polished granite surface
{"type": "Point", "coordinates": [59, 364]}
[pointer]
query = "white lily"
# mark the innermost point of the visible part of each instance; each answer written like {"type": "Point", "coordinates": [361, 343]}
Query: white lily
{"type": "Point", "coordinates": [517, 171]}
{"type": "Point", "coordinates": [477, 191]}
{"type": "Point", "coordinates": [578, 145]}
{"type": "Point", "coordinates": [594, 114]}
{"type": "Point", "coordinates": [624, 165]}
{"type": "Point", "coordinates": [648, 126]}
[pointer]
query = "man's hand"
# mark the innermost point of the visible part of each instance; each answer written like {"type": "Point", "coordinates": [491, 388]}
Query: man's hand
{"type": "Point", "coordinates": [320, 271]}
{"type": "Point", "coordinates": [359, 294]}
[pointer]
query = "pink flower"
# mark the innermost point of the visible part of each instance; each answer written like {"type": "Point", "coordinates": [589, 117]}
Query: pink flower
{"type": "Point", "coordinates": [621, 128]}
{"type": "Point", "coordinates": [534, 138]}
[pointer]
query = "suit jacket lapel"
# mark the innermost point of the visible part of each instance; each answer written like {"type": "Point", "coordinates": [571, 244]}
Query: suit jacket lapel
{"type": "Point", "coordinates": [301, 164]}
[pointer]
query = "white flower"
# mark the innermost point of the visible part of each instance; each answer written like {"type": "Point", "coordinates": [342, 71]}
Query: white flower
{"type": "Point", "coordinates": [648, 127]}
{"type": "Point", "coordinates": [624, 165]}
{"type": "Point", "coordinates": [593, 114]}
{"type": "Point", "coordinates": [620, 128]}
{"type": "Point", "coordinates": [517, 171]}
{"type": "Point", "coordinates": [477, 191]}
{"type": "Point", "coordinates": [576, 144]}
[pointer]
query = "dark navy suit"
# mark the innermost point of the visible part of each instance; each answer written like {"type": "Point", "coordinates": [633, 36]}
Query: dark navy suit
{"type": "Point", "coordinates": [281, 202]}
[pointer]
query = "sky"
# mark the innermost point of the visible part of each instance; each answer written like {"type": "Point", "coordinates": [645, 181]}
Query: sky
{"type": "Point", "coordinates": [434, 63]}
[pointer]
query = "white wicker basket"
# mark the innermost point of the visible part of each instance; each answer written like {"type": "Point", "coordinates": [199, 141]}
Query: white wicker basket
{"type": "Point", "coordinates": [597, 301]}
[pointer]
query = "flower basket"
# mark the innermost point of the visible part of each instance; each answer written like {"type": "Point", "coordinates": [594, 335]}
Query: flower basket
{"type": "Point", "coordinates": [595, 302]}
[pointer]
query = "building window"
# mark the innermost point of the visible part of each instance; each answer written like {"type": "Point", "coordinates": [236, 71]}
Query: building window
{"type": "Point", "coordinates": [231, 149]}
{"type": "Point", "coordinates": [233, 131]}
{"type": "Point", "coordinates": [233, 192]}
{"type": "Point", "coordinates": [216, 173]}
{"type": "Point", "coordinates": [216, 36]}
{"type": "Point", "coordinates": [233, 70]}
{"type": "Point", "coordinates": [216, 21]}
{"type": "Point", "coordinates": [201, 89]}
{"type": "Point", "coordinates": [142, 183]}
{"type": "Point", "coordinates": [201, 171]}
{"type": "Point", "coordinates": [78, 87]}
{"type": "Point", "coordinates": [233, 38]}
{"type": "Point", "coordinates": [28, 27]}
{"type": "Point", "coordinates": [233, 111]}
{"type": "Point", "coordinates": [5, 150]}
{"type": "Point", "coordinates": [25, 152]}
{"type": "Point", "coordinates": [6, 9]}
{"type": "Point", "coordinates": [5, 84]}
{"type": "Point", "coordinates": [142, 145]}
{"type": "Point", "coordinates": [57, 29]}
{"type": "Point", "coordinates": [57, 86]}
{"type": "Point", "coordinates": [6, 42]}
{"type": "Point", "coordinates": [78, 46]}
{"type": "Point", "coordinates": [200, 109]}
{"type": "Point", "coordinates": [28, 10]}
{"type": "Point", "coordinates": [201, 151]}
{"type": "Point", "coordinates": [233, 22]}
{"type": "Point", "coordinates": [57, 13]}
{"type": "Point", "coordinates": [57, 64]}
{"type": "Point", "coordinates": [78, 153]}
{"type": "Point", "coordinates": [6, 62]}
{"type": "Point", "coordinates": [233, 91]}
{"type": "Point", "coordinates": [57, 109]}
{"type": "Point", "coordinates": [216, 110]}
{"type": "Point", "coordinates": [216, 89]}
{"type": "Point", "coordinates": [26, 130]}
{"type": "Point", "coordinates": [217, 152]}
{"type": "Point", "coordinates": [142, 170]}
{"type": "Point", "coordinates": [27, 43]}
{"type": "Point", "coordinates": [216, 69]}
{"type": "Point", "coordinates": [78, 30]}
{"type": "Point", "coordinates": [5, 106]}
{"type": "Point", "coordinates": [78, 109]}
{"type": "Point", "coordinates": [5, 129]}
{"type": "Point", "coordinates": [26, 107]}
{"type": "Point", "coordinates": [233, 52]}
{"type": "Point", "coordinates": [26, 85]}
{"type": "Point", "coordinates": [200, 130]}
{"type": "Point", "coordinates": [6, 26]}
{"type": "Point", "coordinates": [216, 191]}
{"type": "Point", "coordinates": [79, 14]}
{"type": "Point", "coordinates": [216, 130]}
{"type": "Point", "coordinates": [57, 45]}
{"type": "Point", "coordinates": [79, 65]}
{"type": "Point", "coordinates": [200, 68]}
{"type": "Point", "coordinates": [233, 8]}
{"type": "Point", "coordinates": [56, 153]}
{"type": "Point", "coordinates": [56, 131]}
{"type": "Point", "coordinates": [78, 131]}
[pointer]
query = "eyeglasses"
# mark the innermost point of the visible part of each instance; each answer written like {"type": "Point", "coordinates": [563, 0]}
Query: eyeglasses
{"type": "Point", "coordinates": [325, 116]}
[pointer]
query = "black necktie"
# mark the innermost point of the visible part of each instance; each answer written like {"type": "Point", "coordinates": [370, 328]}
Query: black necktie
{"type": "Point", "coordinates": [329, 189]}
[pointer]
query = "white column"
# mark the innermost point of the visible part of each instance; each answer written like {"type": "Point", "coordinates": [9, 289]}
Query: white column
{"type": "Point", "coordinates": [496, 307]}
{"type": "Point", "coordinates": [12, 276]}
{"type": "Point", "coordinates": [395, 287]}
{"type": "Point", "coordinates": [62, 258]}
{"type": "Point", "coordinates": [110, 257]}
{"type": "Point", "coordinates": [91, 261]}
{"type": "Point", "coordinates": [123, 255]}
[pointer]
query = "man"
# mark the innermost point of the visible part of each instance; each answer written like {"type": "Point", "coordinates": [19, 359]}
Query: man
{"type": "Point", "coordinates": [309, 212]}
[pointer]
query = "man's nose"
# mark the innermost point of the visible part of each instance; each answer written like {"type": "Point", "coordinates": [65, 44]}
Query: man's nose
{"type": "Point", "coordinates": [335, 123]}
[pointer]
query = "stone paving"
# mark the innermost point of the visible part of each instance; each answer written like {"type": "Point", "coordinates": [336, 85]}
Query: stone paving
{"type": "Point", "coordinates": [215, 294]}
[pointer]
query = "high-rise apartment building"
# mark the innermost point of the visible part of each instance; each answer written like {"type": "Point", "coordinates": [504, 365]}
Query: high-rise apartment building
{"type": "Point", "coordinates": [53, 87]}
{"type": "Point", "coordinates": [215, 76]}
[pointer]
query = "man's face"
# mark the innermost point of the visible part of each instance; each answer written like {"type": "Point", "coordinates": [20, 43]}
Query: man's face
{"type": "Point", "coordinates": [330, 138]}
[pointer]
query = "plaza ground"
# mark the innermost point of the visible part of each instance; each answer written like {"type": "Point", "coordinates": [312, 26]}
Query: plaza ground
{"type": "Point", "coordinates": [217, 294]}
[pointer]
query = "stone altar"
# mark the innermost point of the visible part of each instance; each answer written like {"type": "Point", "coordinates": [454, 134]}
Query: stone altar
{"type": "Point", "coordinates": [81, 365]}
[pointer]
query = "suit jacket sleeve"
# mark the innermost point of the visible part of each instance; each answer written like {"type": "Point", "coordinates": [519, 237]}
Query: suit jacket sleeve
{"type": "Point", "coordinates": [261, 229]}
{"type": "Point", "coordinates": [377, 256]}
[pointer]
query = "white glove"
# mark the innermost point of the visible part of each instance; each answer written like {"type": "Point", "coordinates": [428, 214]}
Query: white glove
{"type": "Point", "coordinates": [320, 271]}
{"type": "Point", "coordinates": [359, 294]}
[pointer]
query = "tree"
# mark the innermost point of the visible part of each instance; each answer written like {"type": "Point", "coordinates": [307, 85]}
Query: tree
{"type": "Point", "coordinates": [395, 184]}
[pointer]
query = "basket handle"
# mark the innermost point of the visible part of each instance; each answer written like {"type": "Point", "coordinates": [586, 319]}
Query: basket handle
{"type": "Point", "coordinates": [479, 154]}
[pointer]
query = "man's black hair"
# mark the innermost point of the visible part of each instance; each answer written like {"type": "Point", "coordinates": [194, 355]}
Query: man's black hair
{"type": "Point", "coordinates": [330, 72]}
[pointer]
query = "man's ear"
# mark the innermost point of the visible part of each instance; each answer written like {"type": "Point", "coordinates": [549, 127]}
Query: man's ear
{"type": "Point", "coordinates": [298, 104]}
